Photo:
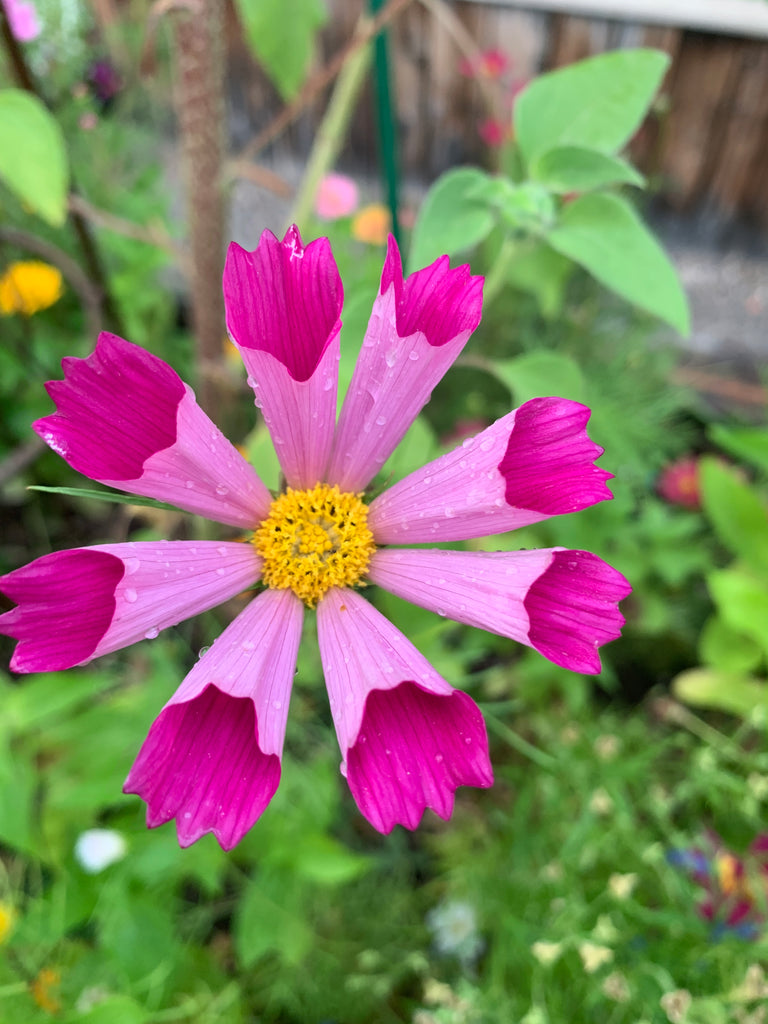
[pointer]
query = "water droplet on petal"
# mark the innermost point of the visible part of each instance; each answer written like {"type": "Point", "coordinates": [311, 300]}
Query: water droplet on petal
{"type": "Point", "coordinates": [203, 651]}
{"type": "Point", "coordinates": [152, 632]}
{"type": "Point", "coordinates": [413, 355]}
{"type": "Point", "coordinates": [390, 358]}
{"type": "Point", "coordinates": [130, 596]}
{"type": "Point", "coordinates": [277, 704]}
{"type": "Point", "coordinates": [248, 645]}
{"type": "Point", "coordinates": [380, 421]}
{"type": "Point", "coordinates": [440, 611]}
{"type": "Point", "coordinates": [222, 490]}
{"type": "Point", "coordinates": [190, 484]}
{"type": "Point", "coordinates": [439, 758]}
{"type": "Point", "coordinates": [449, 512]}
{"type": "Point", "coordinates": [131, 566]}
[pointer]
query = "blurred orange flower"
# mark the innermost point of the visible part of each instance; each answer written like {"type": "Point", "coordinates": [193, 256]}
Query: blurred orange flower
{"type": "Point", "coordinates": [29, 286]}
{"type": "Point", "coordinates": [372, 224]}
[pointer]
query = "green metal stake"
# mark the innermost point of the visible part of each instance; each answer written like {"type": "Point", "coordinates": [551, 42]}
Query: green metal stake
{"type": "Point", "coordinates": [385, 120]}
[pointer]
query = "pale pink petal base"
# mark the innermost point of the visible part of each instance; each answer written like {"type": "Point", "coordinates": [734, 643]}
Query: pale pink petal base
{"type": "Point", "coordinates": [531, 464]}
{"type": "Point", "coordinates": [212, 757]}
{"type": "Point", "coordinates": [417, 329]}
{"type": "Point", "coordinates": [299, 414]}
{"type": "Point", "coordinates": [165, 582]}
{"type": "Point", "coordinates": [562, 603]}
{"type": "Point", "coordinates": [407, 738]}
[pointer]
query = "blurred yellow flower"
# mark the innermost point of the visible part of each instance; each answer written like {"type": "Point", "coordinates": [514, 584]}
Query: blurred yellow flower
{"type": "Point", "coordinates": [29, 286]}
{"type": "Point", "coordinates": [371, 224]}
{"type": "Point", "coordinates": [622, 886]}
{"type": "Point", "coordinates": [7, 921]}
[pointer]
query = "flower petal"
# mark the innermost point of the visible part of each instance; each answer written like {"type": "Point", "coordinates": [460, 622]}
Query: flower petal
{"type": "Point", "coordinates": [417, 329]}
{"type": "Point", "coordinates": [283, 305]}
{"type": "Point", "coordinates": [560, 602]}
{"type": "Point", "coordinates": [535, 462]}
{"type": "Point", "coordinates": [73, 606]}
{"type": "Point", "coordinates": [212, 757]}
{"type": "Point", "coordinates": [407, 738]}
{"type": "Point", "coordinates": [126, 419]}
{"type": "Point", "coordinates": [65, 603]}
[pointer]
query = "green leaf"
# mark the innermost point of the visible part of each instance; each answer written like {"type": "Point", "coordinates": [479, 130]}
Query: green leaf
{"type": "Point", "coordinates": [737, 514]}
{"type": "Point", "coordinates": [267, 922]}
{"type": "Point", "coordinates": [595, 104]}
{"type": "Point", "coordinates": [417, 447]}
{"type": "Point", "coordinates": [324, 860]}
{"type": "Point", "coordinates": [539, 374]}
{"type": "Point", "coordinates": [281, 34]}
{"type": "Point", "coordinates": [742, 601]}
{"type": "Point", "coordinates": [728, 649]}
{"type": "Point", "coordinates": [33, 158]}
{"type": "Point", "coordinates": [454, 217]}
{"type": "Point", "coordinates": [114, 497]}
{"type": "Point", "coordinates": [574, 169]}
{"type": "Point", "coordinates": [543, 273]}
{"type": "Point", "coordinates": [724, 691]}
{"type": "Point", "coordinates": [604, 234]}
{"type": "Point", "coordinates": [113, 1010]}
{"type": "Point", "coordinates": [747, 443]}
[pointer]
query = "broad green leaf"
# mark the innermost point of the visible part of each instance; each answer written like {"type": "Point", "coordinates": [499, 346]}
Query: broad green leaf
{"type": "Point", "coordinates": [33, 158]}
{"type": "Point", "coordinates": [269, 919]}
{"type": "Point", "coordinates": [17, 794]}
{"type": "Point", "coordinates": [138, 933]}
{"type": "Point", "coordinates": [737, 513]}
{"type": "Point", "coordinates": [748, 443]}
{"type": "Point", "coordinates": [724, 691]}
{"type": "Point", "coordinates": [543, 273]}
{"type": "Point", "coordinates": [539, 374]}
{"type": "Point", "coordinates": [728, 649]}
{"type": "Point", "coordinates": [281, 33]}
{"type": "Point", "coordinates": [604, 234]}
{"type": "Point", "coordinates": [575, 169]}
{"type": "Point", "coordinates": [454, 217]}
{"type": "Point", "coordinates": [596, 104]}
{"type": "Point", "coordinates": [742, 601]}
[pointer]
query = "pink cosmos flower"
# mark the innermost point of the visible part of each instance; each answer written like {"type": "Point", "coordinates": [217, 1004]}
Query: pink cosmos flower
{"type": "Point", "coordinates": [679, 482]}
{"type": "Point", "coordinates": [337, 196]}
{"type": "Point", "coordinates": [492, 63]}
{"type": "Point", "coordinates": [408, 739]}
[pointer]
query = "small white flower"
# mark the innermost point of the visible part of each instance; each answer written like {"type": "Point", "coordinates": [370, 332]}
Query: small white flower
{"type": "Point", "coordinates": [601, 803]}
{"type": "Point", "coordinates": [546, 952]}
{"type": "Point", "coordinates": [676, 1005]}
{"type": "Point", "coordinates": [622, 886]}
{"type": "Point", "coordinates": [454, 927]}
{"type": "Point", "coordinates": [593, 957]}
{"type": "Point", "coordinates": [97, 848]}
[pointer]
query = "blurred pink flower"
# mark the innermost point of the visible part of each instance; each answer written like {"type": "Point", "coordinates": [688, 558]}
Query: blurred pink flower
{"type": "Point", "coordinates": [22, 19]}
{"type": "Point", "coordinates": [494, 132]}
{"type": "Point", "coordinates": [678, 483]}
{"type": "Point", "coordinates": [337, 196]}
{"type": "Point", "coordinates": [492, 63]}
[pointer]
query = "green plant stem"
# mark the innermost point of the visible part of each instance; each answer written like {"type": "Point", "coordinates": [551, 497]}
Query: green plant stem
{"type": "Point", "coordinates": [519, 744]}
{"type": "Point", "coordinates": [496, 279]}
{"type": "Point", "coordinates": [386, 123]}
{"type": "Point", "coordinates": [333, 128]}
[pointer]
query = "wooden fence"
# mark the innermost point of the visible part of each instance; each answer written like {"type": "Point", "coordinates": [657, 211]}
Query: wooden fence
{"type": "Point", "coordinates": [705, 143]}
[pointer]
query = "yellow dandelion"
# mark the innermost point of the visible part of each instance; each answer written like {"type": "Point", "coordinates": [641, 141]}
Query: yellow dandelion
{"type": "Point", "coordinates": [371, 224]}
{"type": "Point", "coordinates": [29, 286]}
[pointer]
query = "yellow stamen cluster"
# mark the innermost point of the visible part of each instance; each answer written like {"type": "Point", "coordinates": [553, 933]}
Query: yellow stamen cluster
{"type": "Point", "coordinates": [314, 540]}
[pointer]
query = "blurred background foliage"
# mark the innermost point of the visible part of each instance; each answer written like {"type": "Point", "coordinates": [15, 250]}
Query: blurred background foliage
{"type": "Point", "coordinates": [616, 871]}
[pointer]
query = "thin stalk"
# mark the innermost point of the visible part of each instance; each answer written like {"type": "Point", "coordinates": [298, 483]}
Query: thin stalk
{"type": "Point", "coordinates": [200, 107]}
{"type": "Point", "coordinates": [519, 744]}
{"type": "Point", "coordinates": [333, 128]}
{"type": "Point", "coordinates": [386, 123]}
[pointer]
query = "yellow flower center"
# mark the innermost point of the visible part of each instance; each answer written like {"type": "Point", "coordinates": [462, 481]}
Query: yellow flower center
{"type": "Point", "coordinates": [314, 540]}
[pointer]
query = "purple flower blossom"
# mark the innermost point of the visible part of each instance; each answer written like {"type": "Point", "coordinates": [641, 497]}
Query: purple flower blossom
{"type": "Point", "coordinates": [408, 739]}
